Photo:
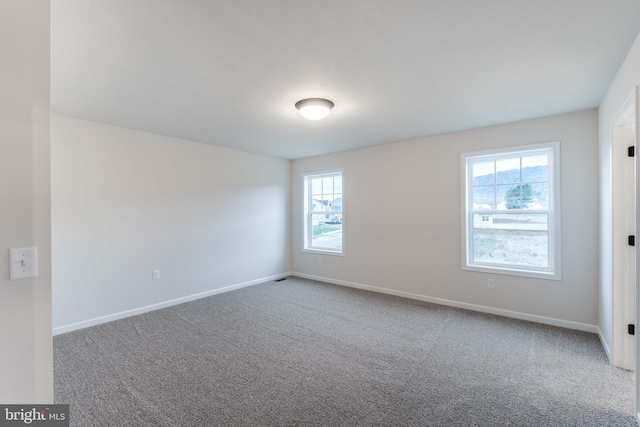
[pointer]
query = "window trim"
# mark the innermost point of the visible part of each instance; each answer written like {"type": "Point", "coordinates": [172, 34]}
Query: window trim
{"type": "Point", "coordinates": [555, 217]}
{"type": "Point", "coordinates": [306, 232]}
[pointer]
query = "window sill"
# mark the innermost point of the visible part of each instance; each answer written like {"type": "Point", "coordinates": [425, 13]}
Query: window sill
{"type": "Point", "coordinates": [323, 252]}
{"type": "Point", "coordinates": [531, 274]}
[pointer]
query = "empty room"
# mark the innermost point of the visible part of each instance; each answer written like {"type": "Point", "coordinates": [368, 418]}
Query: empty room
{"type": "Point", "coordinates": [287, 213]}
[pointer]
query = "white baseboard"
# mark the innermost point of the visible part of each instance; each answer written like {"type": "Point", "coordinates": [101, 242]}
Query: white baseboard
{"type": "Point", "coordinates": [128, 313]}
{"type": "Point", "coordinates": [473, 307]}
{"type": "Point", "coordinates": [605, 346]}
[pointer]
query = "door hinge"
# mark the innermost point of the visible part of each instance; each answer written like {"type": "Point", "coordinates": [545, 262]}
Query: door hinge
{"type": "Point", "coordinates": [631, 151]}
{"type": "Point", "coordinates": [632, 240]}
{"type": "Point", "coordinates": [631, 329]}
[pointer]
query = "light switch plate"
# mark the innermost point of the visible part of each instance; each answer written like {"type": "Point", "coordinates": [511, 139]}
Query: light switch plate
{"type": "Point", "coordinates": [23, 263]}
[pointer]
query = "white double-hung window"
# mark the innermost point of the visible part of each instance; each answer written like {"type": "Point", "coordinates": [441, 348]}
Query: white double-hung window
{"type": "Point", "coordinates": [511, 211]}
{"type": "Point", "coordinates": [323, 212]}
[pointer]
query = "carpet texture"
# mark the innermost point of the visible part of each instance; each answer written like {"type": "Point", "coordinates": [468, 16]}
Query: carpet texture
{"type": "Point", "coordinates": [305, 353]}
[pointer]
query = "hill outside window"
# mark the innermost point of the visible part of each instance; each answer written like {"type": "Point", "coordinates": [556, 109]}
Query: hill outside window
{"type": "Point", "coordinates": [511, 211]}
{"type": "Point", "coordinates": [323, 212]}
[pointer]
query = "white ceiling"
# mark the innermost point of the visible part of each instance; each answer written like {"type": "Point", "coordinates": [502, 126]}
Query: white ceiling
{"type": "Point", "coordinates": [229, 72]}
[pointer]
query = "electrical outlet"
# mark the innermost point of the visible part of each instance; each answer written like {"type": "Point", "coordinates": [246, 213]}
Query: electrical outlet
{"type": "Point", "coordinates": [491, 283]}
{"type": "Point", "coordinates": [156, 274]}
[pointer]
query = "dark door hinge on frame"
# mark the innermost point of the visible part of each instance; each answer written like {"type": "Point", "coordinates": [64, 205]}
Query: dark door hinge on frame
{"type": "Point", "coordinates": [631, 329]}
{"type": "Point", "coordinates": [631, 151]}
{"type": "Point", "coordinates": [632, 240]}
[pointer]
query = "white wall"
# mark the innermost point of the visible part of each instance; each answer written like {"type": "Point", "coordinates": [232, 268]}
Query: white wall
{"type": "Point", "coordinates": [626, 80]}
{"type": "Point", "coordinates": [403, 221]}
{"type": "Point", "coordinates": [25, 305]}
{"type": "Point", "coordinates": [126, 202]}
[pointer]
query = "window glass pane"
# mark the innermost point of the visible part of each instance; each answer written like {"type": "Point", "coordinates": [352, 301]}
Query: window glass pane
{"type": "Point", "coordinates": [337, 202]}
{"type": "Point", "coordinates": [316, 186]}
{"type": "Point", "coordinates": [327, 185]}
{"type": "Point", "coordinates": [520, 240]}
{"type": "Point", "coordinates": [337, 184]}
{"type": "Point", "coordinates": [501, 196]}
{"type": "Point", "coordinates": [484, 197]}
{"type": "Point", "coordinates": [482, 172]}
{"type": "Point", "coordinates": [508, 171]}
{"type": "Point", "coordinates": [326, 231]}
{"type": "Point", "coordinates": [535, 168]}
{"type": "Point", "coordinates": [317, 205]}
{"type": "Point", "coordinates": [540, 196]}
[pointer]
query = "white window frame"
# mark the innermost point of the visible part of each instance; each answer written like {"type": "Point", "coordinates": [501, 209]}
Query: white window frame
{"type": "Point", "coordinates": [307, 226]}
{"type": "Point", "coordinates": [554, 271]}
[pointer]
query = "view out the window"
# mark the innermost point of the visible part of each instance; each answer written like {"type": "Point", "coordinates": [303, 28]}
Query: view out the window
{"type": "Point", "coordinates": [323, 197]}
{"type": "Point", "coordinates": [511, 211]}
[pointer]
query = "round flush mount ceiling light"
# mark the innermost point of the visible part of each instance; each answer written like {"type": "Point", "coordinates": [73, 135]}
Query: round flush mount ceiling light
{"type": "Point", "coordinates": [314, 108]}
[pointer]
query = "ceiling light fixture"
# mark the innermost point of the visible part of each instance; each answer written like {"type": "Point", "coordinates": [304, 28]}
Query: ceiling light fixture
{"type": "Point", "coordinates": [314, 108]}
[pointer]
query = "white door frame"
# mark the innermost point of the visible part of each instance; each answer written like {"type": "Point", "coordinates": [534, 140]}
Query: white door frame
{"type": "Point", "coordinates": [636, 96]}
{"type": "Point", "coordinates": [624, 224]}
